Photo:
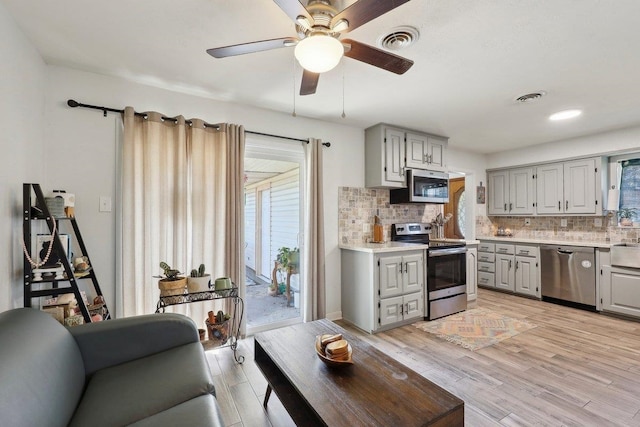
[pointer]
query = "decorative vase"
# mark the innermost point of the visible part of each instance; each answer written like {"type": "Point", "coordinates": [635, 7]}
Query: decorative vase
{"type": "Point", "coordinates": [198, 284]}
{"type": "Point", "coordinates": [172, 287]}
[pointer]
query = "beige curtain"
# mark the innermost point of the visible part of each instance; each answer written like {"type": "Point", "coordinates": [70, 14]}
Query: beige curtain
{"type": "Point", "coordinates": [182, 194]}
{"type": "Point", "coordinates": [313, 263]}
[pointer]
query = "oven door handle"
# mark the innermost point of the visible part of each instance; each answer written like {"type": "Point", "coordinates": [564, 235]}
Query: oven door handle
{"type": "Point", "coordinates": [445, 252]}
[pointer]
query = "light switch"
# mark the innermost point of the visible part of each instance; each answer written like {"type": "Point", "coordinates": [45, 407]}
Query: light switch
{"type": "Point", "coordinates": [527, 221]}
{"type": "Point", "coordinates": [105, 204]}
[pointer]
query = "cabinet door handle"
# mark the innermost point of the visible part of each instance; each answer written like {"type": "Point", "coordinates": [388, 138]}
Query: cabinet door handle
{"type": "Point", "coordinates": [559, 206]}
{"type": "Point", "coordinates": [510, 206]}
{"type": "Point", "coordinates": [401, 309]}
{"type": "Point", "coordinates": [505, 207]}
{"type": "Point", "coordinates": [426, 158]}
{"type": "Point", "coordinates": [509, 264]}
{"type": "Point", "coordinates": [567, 206]}
{"type": "Point", "coordinates": [517, 262]}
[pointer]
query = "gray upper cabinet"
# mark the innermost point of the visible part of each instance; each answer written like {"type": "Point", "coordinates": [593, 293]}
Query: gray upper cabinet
{"type": "Point", "coordinates": [511, 192]}
{"type": "Point", "coordinates": [384, 157]}
{"type": "Point", "coordinates": [389, 151]}
{"type": "Point", "coordinates": [550, 189]}
{"type": "Point", "coordinates": [580, 186]}
{"type": "Point", "coordinates": [426, 151]}
{"type": "Point", "coordinates": [569, 187]}
{"type": "Point", "coordinates": [574, 187]}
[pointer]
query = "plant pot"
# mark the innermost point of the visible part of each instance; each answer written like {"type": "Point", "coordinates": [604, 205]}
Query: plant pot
{"type": "Point", "coordinates": [198, 284]}
{"type": "Point", "coordinates": [272, 292]}
{"type": "Point", "coordinates": [172, 287]}
{"type": "Point", "coordinates": [218, 332]}
{"type": "Point", "coordinates": [626, 222]}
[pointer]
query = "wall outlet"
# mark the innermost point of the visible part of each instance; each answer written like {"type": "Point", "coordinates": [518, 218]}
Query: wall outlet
{"type": "Point", "coordinates": [597, 222]}
{"type": "Point", "coordinates": [105, 204]}
{"type": "Point", "coordinates": [527, 221]}
{"type": "Point", "coordinates": [563, 222]}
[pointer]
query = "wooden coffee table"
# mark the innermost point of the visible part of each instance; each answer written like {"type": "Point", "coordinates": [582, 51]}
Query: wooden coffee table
{"type": "Point", "coordinates": [375, 391]}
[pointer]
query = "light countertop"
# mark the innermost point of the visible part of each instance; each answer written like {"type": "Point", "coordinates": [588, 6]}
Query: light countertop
{"type": "Point", "coordinates": [515, 240]}
{"type": "Point", "coordinates": [398, 246]}
{"type": "Point", "coordinates": [384, 247]}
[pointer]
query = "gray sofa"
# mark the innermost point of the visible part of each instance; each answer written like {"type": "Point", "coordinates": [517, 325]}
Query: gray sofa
{"type": "Point", "coordinates": [146, 370]}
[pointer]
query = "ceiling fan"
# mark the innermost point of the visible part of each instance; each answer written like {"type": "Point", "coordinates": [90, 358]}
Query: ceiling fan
{"type": "Point", "coordinates": [318, 47]}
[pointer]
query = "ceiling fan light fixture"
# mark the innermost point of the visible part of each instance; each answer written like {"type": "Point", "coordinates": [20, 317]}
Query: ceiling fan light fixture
{"type": "Point", "coordinates": [319, 53]}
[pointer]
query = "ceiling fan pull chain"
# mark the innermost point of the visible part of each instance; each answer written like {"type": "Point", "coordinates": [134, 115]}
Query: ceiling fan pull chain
{"type": "Point", "coordinates": [294, 86]}
{"type": "Point", "coordinates": [343, 114]}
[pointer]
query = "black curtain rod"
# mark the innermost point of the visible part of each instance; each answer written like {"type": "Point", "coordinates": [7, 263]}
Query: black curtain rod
{"type": "Point", "coordinates": [73, 104]}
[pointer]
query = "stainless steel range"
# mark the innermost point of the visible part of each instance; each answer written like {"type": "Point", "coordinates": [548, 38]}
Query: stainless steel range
{"type": "Point", "coordinates": [446, 269]}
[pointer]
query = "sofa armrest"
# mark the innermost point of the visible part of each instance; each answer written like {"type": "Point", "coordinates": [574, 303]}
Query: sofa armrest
{"type": "Point", "coordinates": [111, 342]}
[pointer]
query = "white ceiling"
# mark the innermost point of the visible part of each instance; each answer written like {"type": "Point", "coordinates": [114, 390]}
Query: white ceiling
{"type": "Point", "coordinates": [474, 57]}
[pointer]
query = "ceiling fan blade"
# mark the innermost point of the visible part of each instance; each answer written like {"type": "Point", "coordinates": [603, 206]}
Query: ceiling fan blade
{"type": "Point", "coordinates": [293, 9]}
{"type": "Point", "coordinates": [376, 57]}
{"type": "Point", "coordinates": [309, 82]}
{"type": "Point", "coordinates": [364, 11]}
{"type": "Point", "coordinates": [241, 49]}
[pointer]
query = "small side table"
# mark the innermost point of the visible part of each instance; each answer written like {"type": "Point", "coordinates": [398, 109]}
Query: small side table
{"type": "Point", "coordinates": [236, 320]}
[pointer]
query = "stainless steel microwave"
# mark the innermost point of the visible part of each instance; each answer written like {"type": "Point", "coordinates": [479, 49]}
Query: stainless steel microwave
{"type": "Point", "coordinates": [423, 187]}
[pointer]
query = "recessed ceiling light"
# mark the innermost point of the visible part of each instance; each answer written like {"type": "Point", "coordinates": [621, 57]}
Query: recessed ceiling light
{"type": "Point", "coordinates": [564, 115]}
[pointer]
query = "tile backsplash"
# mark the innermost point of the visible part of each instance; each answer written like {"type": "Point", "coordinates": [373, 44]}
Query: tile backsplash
{"type": "Point", "coordinates": [578, 228]}
{"type": "Point", "coordinates": [358, 206]}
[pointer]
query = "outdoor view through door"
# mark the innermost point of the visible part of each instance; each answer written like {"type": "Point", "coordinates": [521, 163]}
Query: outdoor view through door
{"type": "Point", "coordinates": [455, 229]}
{"type": "Point", "coordinates": [273, 207]}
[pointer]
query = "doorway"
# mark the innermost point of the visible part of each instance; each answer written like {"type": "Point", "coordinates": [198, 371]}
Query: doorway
{"type": "Point", "coordinates": [456, 227]}
{"type": "Point", "coordinates": [273, 221]}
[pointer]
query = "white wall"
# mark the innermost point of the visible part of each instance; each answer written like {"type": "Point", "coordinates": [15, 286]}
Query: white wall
{"type": "Point", "coordinates": [602, 143]}
{"type": "Point", "coordinates": [81, 152]}
{"type": "Point", "coordinates": [22, 88]}
{"type": "Point", "coordinates": [473, 165]}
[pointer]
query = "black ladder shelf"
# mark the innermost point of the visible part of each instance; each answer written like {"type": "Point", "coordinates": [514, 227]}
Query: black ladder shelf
{"type": "Point", "coordinates": [55, 289]}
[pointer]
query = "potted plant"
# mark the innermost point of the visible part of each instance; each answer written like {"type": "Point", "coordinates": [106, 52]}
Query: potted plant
{"type": "Point", "coordinates": [218, 326]}
{"type": "Point", "coordinates": [171, 283]}
{"type": "Point", "coordinates": [288, 258]}
{"type": "Point", "coordinates": [198, 280]}
{"type": "Point", "coordinates": [626, 216]}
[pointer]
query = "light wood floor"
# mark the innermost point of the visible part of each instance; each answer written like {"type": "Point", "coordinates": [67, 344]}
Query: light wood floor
{"type": "Point", "coordinates": [576, 368]}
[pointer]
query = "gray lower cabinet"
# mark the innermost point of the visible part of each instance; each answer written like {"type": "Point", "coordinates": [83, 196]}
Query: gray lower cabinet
{"type": "Point", "coordinates": [382, 290]}
{"type": "Point", "coordinates": [620, 290]}
{"type": "Point", "coordinates": [472, 272]}
{"type": "Point", "coordinates": [509, 267]}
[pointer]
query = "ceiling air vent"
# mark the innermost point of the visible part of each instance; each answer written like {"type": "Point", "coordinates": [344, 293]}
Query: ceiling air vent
{"type": "Point", "coordinates": [531, 97]}
{"type": "Point", "coordinates": [399, 38]}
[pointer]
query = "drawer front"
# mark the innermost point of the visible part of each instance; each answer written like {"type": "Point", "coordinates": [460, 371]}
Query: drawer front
{"type": "Point", "coordinates": [487, 267]}
{"type": "Point", "coordinates": [486, 247]}
{"type": "Point", "coordinates": [486, 257]}
{"type": "Point", "coordinates": [501, 248]}
{"type": "Point", "coordinates": [526, 250]}
{"type": "Point", "coordinates": [486, 279]}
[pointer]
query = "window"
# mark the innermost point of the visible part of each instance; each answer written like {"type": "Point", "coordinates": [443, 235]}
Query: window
{"type": "Point", "coordinates": [630, 188]}
{"type": "Point", "coordinates": [462, 214]}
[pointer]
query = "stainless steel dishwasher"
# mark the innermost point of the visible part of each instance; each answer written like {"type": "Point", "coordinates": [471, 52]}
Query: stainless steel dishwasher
{"type": "Point", "coordinates": [568, 273]}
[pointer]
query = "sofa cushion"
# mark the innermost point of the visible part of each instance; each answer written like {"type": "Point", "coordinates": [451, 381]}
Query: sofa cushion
{"type": "Point", "coordinates": [41, 370]}
{"type": "Point", "coordinates": [201, 411]}
{"type": "Point", "coordinates": [132, 391]}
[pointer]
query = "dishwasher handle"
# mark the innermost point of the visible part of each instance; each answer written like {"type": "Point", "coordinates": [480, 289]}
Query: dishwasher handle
{"type": "Point", "coordinates": [562, 251]}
